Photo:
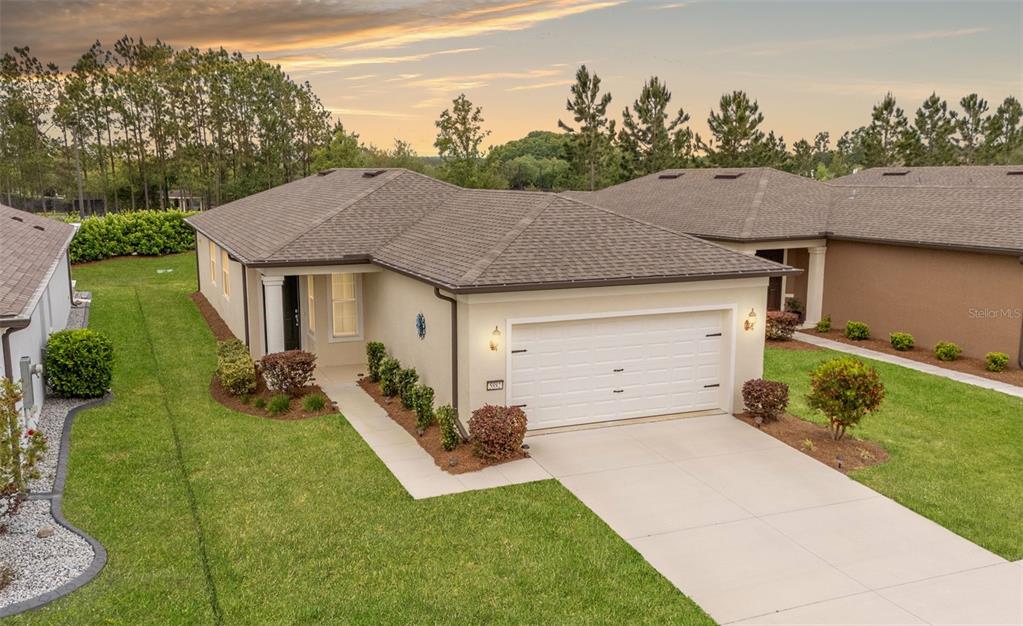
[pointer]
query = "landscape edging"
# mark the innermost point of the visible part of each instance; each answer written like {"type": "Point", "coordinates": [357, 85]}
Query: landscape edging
{"type": "Point", "coordinates": [56, 497]}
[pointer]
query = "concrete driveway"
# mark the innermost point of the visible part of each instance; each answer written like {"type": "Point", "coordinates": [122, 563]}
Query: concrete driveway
{"type": "Point", "coordinates": [759, 533]}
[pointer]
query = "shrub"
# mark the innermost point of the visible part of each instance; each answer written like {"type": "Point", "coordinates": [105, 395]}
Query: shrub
{"type": "Point", "coordinates": [902, 341]}
{"type": "Point", "coordinates": [857, 330]}
{"type": "Point", "coordinates": [496, 432]}
{"type": "Point", "coordinates": [996, 361]}
{"type": "Point", "coordinates": [766, 399]}
{"type": "Point", "coordinates": [405, 381]}
{"type": "Point", "coordinates": [389, 369]}
{"type": "Point", "coordinates": [279, 403]}
{"type": "Point", "coordinates": [79, 363]}
{"type": "Point", "coordinates": [375, 353]}
{"type": "Point", "coordinates": [781, 325]}
{"type": "Point", "coordinates": [260, 403]}
{"type": "Point", "coordinates": [148, 233]}
{"type": "Point", "coordinates": [449, 437]}
{"type": "Point", "coordinates": [288, 372]}
{"type": "Point", "coordinates": [844, 390]}
{"type": "Point", "coordinates": [236, 371]}
{"type": "Point", "coordinates": [947, 351]}
{"type": "Point", "coordinates": [795, 305]}
{"type": "Point", "coordinates": [824, 325]}
{"type": "Point", "coordinates": [422, 402]}
{"type": "Point", "coordinates": [314, 402]}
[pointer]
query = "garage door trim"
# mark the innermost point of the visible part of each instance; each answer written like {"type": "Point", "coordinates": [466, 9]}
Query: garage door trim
{"type": "Point", "coordinates": [731, 311]}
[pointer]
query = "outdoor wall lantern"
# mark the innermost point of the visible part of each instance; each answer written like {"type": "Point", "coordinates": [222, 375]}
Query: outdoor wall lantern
{"type": "Point", "coordinates": [495, 339]}
{"type": "Point", "coordinates": [751, 321]}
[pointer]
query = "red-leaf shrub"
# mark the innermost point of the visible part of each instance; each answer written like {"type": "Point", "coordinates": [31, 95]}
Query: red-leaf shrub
{"type": "Point", "coordinates": [781, 325]}
{"type": "Point", "coordinates": [496, 432]}
{"type": "Point", "coordinates": [765, 399]}
{"type": "Point", "coordinates": [844, 390]}
{"type": "Point", "coordinates": [288, 372]}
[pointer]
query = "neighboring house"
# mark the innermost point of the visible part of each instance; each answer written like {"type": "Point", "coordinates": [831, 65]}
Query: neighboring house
{"type": "Point", "coordinates": [575, 312]}
{"type": "Point", "coordinates": [35, 293]}
{"type": "Point", "coordinates": [934, 251]}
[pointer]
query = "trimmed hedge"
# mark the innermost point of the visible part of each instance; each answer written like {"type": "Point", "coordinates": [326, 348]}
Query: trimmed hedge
{"type": "Point", "coordinates": [996, 361]}
{"type": "Point", "coordinates": [496, 432]}
{"type": "Point", "coordinates": [902, 341]}
{"type": "Point", "coordinates": [947, 351]}
{"type": "Point", "coordinates": [146, 233]}
{"type": "Point", "coordinates": [766, 399]}
{"type": "Point", "coordinates": [389, 368]}
{"type": "Point", "coordinates": [236, 371]}
{"type": "Point", "coordinates": [375, 354]}
{"type": "Point", "coordinates": [449, 437]}
{"type": "Point", "coordinates": [288, 372]}
{"type": "Point", "coordinates": [857, 330]}
{"type": "Point", "coordinates": [824, 325]}
{"type": "Point", "coordinates": [422, 397]}
{"type": "Point", "coordinates": [781, 325]}
{"type": "Point", "coordinates": [79, 363]}
{"type": "Point", "coordinates": [405, 382]}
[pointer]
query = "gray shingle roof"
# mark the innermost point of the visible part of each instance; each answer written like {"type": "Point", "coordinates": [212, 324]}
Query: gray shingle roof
{"type": "Point", "coordinates": [939, 176]}
{"type": "Point", "coordinates": [462, 239]}
{"type": "Point", "coordinates": [30, 248]}
{"type": "Point", "coordinates": [761, 203]}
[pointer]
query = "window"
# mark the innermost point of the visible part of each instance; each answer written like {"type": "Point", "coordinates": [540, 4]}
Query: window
{"type": "Point", "coordinates": [310, 288]}
{"type": "Point", "coordinates": [344, 298]}
{"type": "Point", "coordinates": [225, 267]}
{"type": "Point", "coordinates": [213, 263]}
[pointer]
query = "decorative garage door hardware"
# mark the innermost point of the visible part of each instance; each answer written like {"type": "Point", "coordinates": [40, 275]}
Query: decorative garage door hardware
{"type": "Point", "coordinates": [618, 391]}
{"type": "Point", "coordinates": [519, 406]}
{"type": "Point", "coordinates": [713, 335]}
{"type": "Point", "coordinates": [709, 386]}
{"type": "Point", "coordinates": [618, 369]}
{"type": "Point", "coordinates": [518, 351]}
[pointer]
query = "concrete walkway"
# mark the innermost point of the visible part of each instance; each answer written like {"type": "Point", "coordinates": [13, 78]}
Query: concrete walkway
{"type": "Point", "coordinates": [969, 379]}
{"type": "Point", "coordinates": [759, 533]}
{"type": "Point", "coordinates": [403, 456]}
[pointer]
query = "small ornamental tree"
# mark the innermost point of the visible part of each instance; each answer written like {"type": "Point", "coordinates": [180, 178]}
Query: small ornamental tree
{"type": "Point", "coordinates": [19, 450]}
{"type": "Point", "coordinates": [844, 390]}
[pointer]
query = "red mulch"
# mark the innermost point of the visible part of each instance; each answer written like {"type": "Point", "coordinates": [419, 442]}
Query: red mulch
{"type": "Point", "coordinates": [430, 439]}
{"type": "Point", "coordinates": [247, 404]}
{"type": "Point", "coordinates": [854, 454]}
{"type": "Point", "coordinates": [1012, 375]}
{"type": "Point", "coordinates": [213, 319]}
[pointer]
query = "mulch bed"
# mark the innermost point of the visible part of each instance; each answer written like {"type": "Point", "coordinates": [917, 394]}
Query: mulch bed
{"type": "Point", "coordinates": [295, 410]}
{"type": "Point", "coordinates": [213, 319]}
{"type": "Point", "coordinates": [466, 461]}
{"type": "Point", "coordinates": [844, 455]}
{"type": "Point", "coordinates": [1012, 375]}
{"type": "Point", "coordinates": [791, 344]}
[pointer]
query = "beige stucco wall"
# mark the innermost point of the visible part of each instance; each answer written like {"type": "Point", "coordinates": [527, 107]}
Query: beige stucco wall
{"type": "Point", "coordinates": [479, 314]}
{"type": "Point", "coordinates": [975, 300]}
{"type": "Point", "coordinates": [328, 350]}
{"type": "Point", "coordinates": [230, 308]}
{"type": "Point", "coordinates": [391, 303]}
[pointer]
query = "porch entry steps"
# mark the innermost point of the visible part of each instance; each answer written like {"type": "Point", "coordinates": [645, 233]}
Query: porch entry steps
{"type": "Point", "coordinates": [401, 453]}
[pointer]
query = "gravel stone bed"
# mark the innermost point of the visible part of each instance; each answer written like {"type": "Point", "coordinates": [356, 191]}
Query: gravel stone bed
{"type": "Point", "coordinates": [39, 565]}
{"type": "Point", "coordinates": [51, 423]}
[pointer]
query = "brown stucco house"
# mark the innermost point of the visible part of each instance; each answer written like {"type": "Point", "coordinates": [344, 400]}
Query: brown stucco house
{"type": "Point", "coordinates": [576, 312]}
{"type": "Point", "coordinates": [934, 251]}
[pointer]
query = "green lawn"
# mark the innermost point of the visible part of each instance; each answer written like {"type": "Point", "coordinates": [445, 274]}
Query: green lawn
{"type": "Point", "coordinates": [956, 450]}
{"type": "Point", "coordinates": [214, 516]}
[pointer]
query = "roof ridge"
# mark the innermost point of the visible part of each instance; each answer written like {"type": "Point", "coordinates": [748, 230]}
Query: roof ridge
{"type": "Point", "coordinates": [666, 229]}
{"type": "Point", "coordinates": [341, 208]}
{"type": "Point", "coordinates": [483, 263]}
{"type": "Point", "coordinates": [920, 185]}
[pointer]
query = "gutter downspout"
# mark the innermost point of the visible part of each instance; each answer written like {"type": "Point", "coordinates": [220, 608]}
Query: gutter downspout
{"type": "Point", "coordinates": [1019, 358]}
{"type": "Point", "coordinates": [454, 358]}
{"type": "Point", "coordinates": [5, 338]}
{"type": "Point", "coordinates": [245, 299]}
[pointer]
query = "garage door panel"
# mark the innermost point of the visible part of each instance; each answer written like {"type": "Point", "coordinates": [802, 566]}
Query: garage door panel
{"type": "Point", "coordinates": [569, 370]}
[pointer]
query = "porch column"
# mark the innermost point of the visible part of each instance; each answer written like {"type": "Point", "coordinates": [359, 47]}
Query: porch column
{"type": "Point", "coordinates": [815, 285]}
{"type": "Point", "coordinates": [273, 312]}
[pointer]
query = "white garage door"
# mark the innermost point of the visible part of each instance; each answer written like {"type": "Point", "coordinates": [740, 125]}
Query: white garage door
{"type": "Point", "coordinates": [593, 370]}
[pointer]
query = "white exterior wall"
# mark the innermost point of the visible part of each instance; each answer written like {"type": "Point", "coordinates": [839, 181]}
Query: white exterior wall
{"type": "Point", "coordinates": [230, 308]}
{"type": "Point", "coordinates": [49, 316]}
{"type": "Point", "coordinates": [483, 312]}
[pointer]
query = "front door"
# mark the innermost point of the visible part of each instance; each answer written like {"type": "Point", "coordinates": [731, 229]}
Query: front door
{"type": "Point", "coordinates": [292, 319]}
{"type": "Point", "coordinates": [774, 286]}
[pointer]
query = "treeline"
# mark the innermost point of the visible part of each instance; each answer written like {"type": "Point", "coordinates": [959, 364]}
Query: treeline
{"type": "Point", "coordinates": [127, 126]}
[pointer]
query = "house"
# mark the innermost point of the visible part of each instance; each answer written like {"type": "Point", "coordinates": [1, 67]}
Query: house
{"type": "Point", "coordinates": [934, 251]}
{"type": "Point", "coordinates": [573, 311]}
{"type": "Point", "coordinates": [35, 294]}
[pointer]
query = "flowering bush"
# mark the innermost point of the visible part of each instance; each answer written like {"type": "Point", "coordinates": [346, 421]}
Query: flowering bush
{"type": "Point", "coordinates": [288, 372]}
{"type": "Point", "coordinates": [781, 325]}
{"type": "Point", "coordinates": [496, 432]}
{"type": "Point", "coordinates": [765, 399]}
{"type": "Point", "coordinates": [844, 390]}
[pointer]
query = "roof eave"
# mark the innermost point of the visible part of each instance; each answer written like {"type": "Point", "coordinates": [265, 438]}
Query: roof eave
{"type": "Point", "coordinates": [928, 244]}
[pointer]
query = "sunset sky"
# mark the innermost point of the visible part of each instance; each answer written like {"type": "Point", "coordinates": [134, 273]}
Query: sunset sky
{"type": "Point", "coordinates": [389, 67]}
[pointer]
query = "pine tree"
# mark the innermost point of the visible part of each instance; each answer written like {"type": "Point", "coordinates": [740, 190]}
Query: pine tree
{"type": "Point", "coordinates": [649, 140]}
{"type": "Point", "coordinates": [931, 140]}
{"type": "Point", "coordinates": [460, 136]}
{"type": "Point", "coordinates": [592, 140]}
{"type": "Point", "coordinates": [883, 140]}
{"type": "Point", "coordinates": [1003, 135]}
{"type": "Point", "coordinates": [971, 126]}
{"type": "Point", "coordinates": [736, 138]}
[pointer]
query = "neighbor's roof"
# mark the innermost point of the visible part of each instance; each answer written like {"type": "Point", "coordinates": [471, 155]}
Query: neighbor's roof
{"type": "Point", "coordinates": [968, 207]}
{"type": "Point", "coordinates": [462, 239]}
{"type": "Point", "coordinates": [30, 249]}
